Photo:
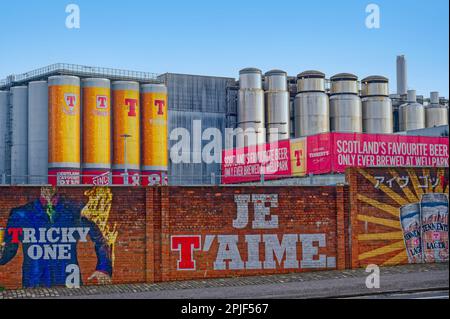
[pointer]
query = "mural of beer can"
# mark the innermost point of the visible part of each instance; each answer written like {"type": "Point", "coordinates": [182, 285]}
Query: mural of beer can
{"type": "Point", "coordinates": [126, 132]}
{"type": "Point", "coordinates": [434, 216]}
{"type": "Point", "coordinates": [154, 134]}
{"type": "Point", "coordinates": [410, 221]}
{"type": "Point", "coordinates": [96, 131]}
{"type": "Point", "coordinates": [64, 130]}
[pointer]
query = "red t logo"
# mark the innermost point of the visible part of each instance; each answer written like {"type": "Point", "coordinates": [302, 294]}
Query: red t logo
{"type": "Point", "coordinates": [101, 102]}
{"type": "Point", "coordinates": [160, 104]}
{"type": "Point", "coordinates": [70, 100]}
{"type": "Point", "coordinates": [132, 103]}
{"type": "Point", "coordinates": [298, 155]}
{"type": "Point", "coordinates": [186, 246]}
{"type": "Point", "coordinates": [15, 233]}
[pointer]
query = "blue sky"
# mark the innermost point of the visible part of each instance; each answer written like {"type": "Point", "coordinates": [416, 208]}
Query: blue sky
{"type": "Point", "coordinates": [219, 37]}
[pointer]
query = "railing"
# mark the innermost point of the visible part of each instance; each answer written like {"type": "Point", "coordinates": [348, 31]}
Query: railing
{"type": "Point", "coordinates": [80, 70]}
{"type": "Point", "coordinates": [174, 180]}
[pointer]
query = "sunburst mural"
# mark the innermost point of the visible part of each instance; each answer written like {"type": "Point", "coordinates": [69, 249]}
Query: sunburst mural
{"type": "Point", "coordinates": [402, 221]}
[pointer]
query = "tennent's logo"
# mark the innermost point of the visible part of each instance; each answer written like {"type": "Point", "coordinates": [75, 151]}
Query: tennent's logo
{"type": "Point", "coordinates": [132, 105]}
{"type": "Point", "coordinates": [102, 102]}
{"type": "Point", "coordinates": [70, 104]}
{"type": "Point", "coordinates": [160, 104]}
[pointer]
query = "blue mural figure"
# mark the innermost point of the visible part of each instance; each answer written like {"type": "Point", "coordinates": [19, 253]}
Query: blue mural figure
{"type": "Point", "coordinates": [49, 229]}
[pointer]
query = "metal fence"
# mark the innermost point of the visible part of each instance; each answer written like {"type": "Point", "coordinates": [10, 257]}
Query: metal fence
{"type": "Point", "coordinates": [80, 70]}
{"type": "Point", "coordinates": [175, 180]}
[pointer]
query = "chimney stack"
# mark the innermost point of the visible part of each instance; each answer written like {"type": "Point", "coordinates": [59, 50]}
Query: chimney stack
{"type": "Point", "coordinates": [402, 81]}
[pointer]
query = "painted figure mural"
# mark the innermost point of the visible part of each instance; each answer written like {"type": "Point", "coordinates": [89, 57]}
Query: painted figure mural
{"type": "Point", "coordinates": [49, 229]}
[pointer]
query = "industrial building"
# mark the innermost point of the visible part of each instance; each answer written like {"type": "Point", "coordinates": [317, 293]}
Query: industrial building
{"type": "Point", "coordinates": [277, 106]}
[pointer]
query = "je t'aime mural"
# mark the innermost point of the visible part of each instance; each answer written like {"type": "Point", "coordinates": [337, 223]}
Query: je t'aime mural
{"type": "Point", "coordinates": [401, 216]}
{"type": "Point", "coordinates": [49, 229]}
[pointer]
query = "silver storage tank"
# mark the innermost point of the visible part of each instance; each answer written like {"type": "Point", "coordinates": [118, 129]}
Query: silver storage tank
{"type": "Point", "coordinates": [435, 114]}
{"type": "Point", "coordinates": [251, 108]}
{"type": "Point", "coordinates": [19, 147]}
{"type": "Point", "coordinates": [312, 109]}
{"type": "Point", "coordinates": [345, 104]}
{"type": "Point", "coordinates": [377, 109]}
{"type": "Point", "coordinates": [37, 132]}
{"type": "Point", "coordinates": [277, 106]}
{"type": "Point", "coordinates": [4, 112]}
{"type": "Point", "coordinates": [411, 114]}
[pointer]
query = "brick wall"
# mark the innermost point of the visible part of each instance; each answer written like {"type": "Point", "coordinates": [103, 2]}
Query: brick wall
{"type": "Point", "coordinates": [180, 233]}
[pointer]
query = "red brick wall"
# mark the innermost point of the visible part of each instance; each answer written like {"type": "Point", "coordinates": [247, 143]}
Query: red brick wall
{"type": "Point", "coordinates": [207, 211]}
{"type": "Point", "coordinates": [356, 225]}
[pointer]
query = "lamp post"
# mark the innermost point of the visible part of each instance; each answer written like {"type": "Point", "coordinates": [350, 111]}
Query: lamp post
{"type": "Point", "coordinates": [125, 175]}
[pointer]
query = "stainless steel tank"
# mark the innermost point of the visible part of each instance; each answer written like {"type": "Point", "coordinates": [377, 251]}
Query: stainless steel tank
{"type": "Point", "coordinates": [345, 104]}
{"type": "Point", "coordinates": [4, 116]}
{"type": "Point", "coordinates": [37, 132]}
{"type": "Point", "coordinates": [19, 147]}
{"type": "Point", "coordinates": [435, 114]}
{"type": "Point", "coordinates": [312, 110]}
{"type": "Point", "coordinates": [377, 112]}
{"type": "Point", "coordinates": [277, 106]}
{"type": "Point", "coordinates": [251, 117]}
{"type": "Point", "coordinates": [411, 114]}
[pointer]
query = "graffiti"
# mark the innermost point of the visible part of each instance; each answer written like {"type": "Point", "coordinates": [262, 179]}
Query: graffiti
{"type": "Point", "coordinates": [49, 230]}
{"type": "Point", "coordinates": [407, 216]}
{"type": "Point", "coordinates": [229, 248]}
{"type": "Point", "coordinates": [404, 181]}
{"type": "Point", "coordinates": [97, 210]}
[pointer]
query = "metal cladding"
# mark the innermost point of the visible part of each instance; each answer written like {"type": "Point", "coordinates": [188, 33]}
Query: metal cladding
{"type": "Point", "coordinates": [126, 132]}
{"type": "Point", "coordinates": [402, 80]}
{"type": "Point", "coordinates": [345, 104]}
{"type": "Point", "coordinates": [250, 78]}
{"type": "Point", "coordinates": [312, 109]}
{"type": "Point", "coordinates": [38, 132]}
{"type": "Point", "coordinates": [96, 161]}
{"type": "Point", "coordinates": [19, 147]}
{"type": "Point", "coordinates": [64, 139]}
{"type": "Point", "coordinates": [277, 106]}
{"type": "Point", "coordinates": [4, 111]}
{"type": "Point", "coordinates": [411, 114]}
{"type": "Point", "coordinates": [435, 114]}
{"type": "Point", "coordinates": [251, 117]}
{"type": "Point", "coordinates": [155, 158]}
{"type": "Point", "coordinates": [311, 81]}
{"type": "Point", "coordinates": [377, 110]}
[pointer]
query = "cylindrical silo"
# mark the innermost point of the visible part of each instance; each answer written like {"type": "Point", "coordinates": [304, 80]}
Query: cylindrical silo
{"type": "Point", "coordinates": [38, 132]}
{"type": "Point", "coordinates": [64, 140]}
{"type": "Point", "coordinates": [126, 132]}
{"type": "Point", "coordinates": [4, 118]}
{"type": "Point", "coordinates": [345, 104]}
{"type": "Point", "coordinates": [277, 106]}
{"type": "Point", "coordinates": [376, 106]}
{"type": "Point", "coordinates": [411, 114]}
{"type": "Point", "coordinates": [435, 114]}
{"type": "Point", "coordinates": [251, 116]}
{"type": "Point", "coordinates": [19, 140]}
{"type": "Point", "coordinates": [96, 163]}
{"type": "Point", "coordinates": [155, 153]}
{"type": "Point", "coordinates": [312, 109]}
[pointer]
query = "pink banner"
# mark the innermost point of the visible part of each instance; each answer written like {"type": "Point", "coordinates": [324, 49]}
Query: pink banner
{"type": "Point", "coordinates": [335, 152]}
{"type": "Point", "coordinates": [247, 164]}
